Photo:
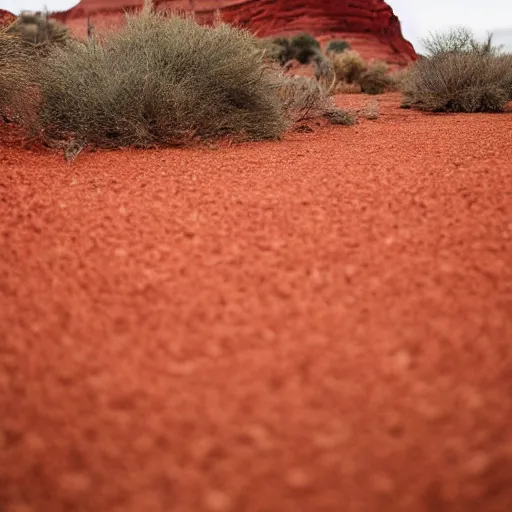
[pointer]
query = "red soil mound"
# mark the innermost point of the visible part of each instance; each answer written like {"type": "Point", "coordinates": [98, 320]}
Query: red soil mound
{"type": "Point", "coordinates": [320, 324]}
{"type": "Point", "coordinates": [369, 25]}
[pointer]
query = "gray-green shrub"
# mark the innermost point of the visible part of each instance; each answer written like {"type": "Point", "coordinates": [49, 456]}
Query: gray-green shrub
{"type": "Point", "coordinates": [160, 80]}
{"type": "Point", "coordinates": [460, 74]}
{"type": "Point", "coordinates": [376, 79]}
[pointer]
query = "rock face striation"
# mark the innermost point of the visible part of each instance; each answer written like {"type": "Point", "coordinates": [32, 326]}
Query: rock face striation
{"type": "Point", "coordinates": [369, 25]}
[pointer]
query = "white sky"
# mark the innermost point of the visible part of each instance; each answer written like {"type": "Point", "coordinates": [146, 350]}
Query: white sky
{"type": "Point", "coordinates": [418, 17]}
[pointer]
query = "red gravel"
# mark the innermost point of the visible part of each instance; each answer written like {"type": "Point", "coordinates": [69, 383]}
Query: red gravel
{"type": "Point", "coordinates": [318, 324]}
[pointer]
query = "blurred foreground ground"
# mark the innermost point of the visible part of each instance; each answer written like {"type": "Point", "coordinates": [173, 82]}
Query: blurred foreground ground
{"type": "Point", "coordinates": [314, 325]}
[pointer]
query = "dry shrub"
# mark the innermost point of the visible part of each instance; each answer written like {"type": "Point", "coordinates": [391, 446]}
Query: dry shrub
{"type": "Point", "coordinates": [277, 49]}
{"type": "Point", "coordinates": [304, 47]}
{"type": "Point", "coordinates": [399, 78]}
{"type": "Point", "coordinates": [375, 80]}
{"type": "Point", "coordinates": [457, 40]}
{"type": "Point", "coordinates": [460, 82]}
{"type": "Point", "coordinates": [160, 81]}
{"type": "Point", "coordinates": [39, 29]}
{"type": "Point", "coordinates": [18, 72]}
{"type": "Point", "coordinates": [303, 98]}
{"type": "Point", "coordinates": [348, 66]}
{"type": "Point", "coordinates": [340, 116]}
{"type": "Point", "coordinates": [371, 111]}
{"type": "Point", "coordinates": [337, 46]}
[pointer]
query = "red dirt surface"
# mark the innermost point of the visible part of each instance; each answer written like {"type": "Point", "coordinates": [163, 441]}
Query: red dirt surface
{"type": "Point", "coordinates": [318, 324]}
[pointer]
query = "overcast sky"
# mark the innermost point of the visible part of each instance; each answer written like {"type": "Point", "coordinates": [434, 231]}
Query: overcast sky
{"type": "Point", "coordinates": [418, 16]}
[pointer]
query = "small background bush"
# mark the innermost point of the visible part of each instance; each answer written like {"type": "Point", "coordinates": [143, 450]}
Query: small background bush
{"type": "Point", "coordinates": [18, 73]}
{"type": "Point", "coordinates": [348, 66]}
{"type": "Point", "coordinates": [304, 47]}
{"type": "Point", "coordinates": [277, 49]}
{"type": "Point", "coordinates": [376, 79]}
{"type": "Point", "coordinates": [337, 46]}
{"type": "Point", "coordinates": [459, 74]}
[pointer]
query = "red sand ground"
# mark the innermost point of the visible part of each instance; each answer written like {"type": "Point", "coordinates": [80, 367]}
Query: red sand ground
{"type": "Point", "coordinates": [319, 324]}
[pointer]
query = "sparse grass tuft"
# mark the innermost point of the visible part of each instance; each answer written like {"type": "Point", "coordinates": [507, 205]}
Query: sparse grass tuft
{"type": "Point", "coordinates": [304, 98]}
{"type": "Point", "coordinates": [457, 40]}
{"type": "Point", "coordinates": [460, 82]}
{"type": "Point", "coordinates": [371, 111]}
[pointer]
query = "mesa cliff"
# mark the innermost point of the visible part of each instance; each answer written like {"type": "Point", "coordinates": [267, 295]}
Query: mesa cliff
{"type": "Point", "coordinates": [369, 25]}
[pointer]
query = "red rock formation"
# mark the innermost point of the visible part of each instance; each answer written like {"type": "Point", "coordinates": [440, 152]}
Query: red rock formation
{"type": "Point", "coordinates": [369, 25]}
{"type": "Point", "coordinates": [6, 18]}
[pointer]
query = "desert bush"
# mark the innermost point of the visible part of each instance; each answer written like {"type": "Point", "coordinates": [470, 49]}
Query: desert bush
{"type": "Point", "coordinates": [344, 88]}
{"type": "Point", "coordinates": [337, 46]}
{"type": "Point", "coordinates": [466, 81]}
{"type": "Point", "coordinates": [348, 66]}
{"type": "Point", "coordinates": [505, 60]}
{"type": "Point", "coordinates": [304, 47]}
{"type": "Point", "coordinates": [457, 40]}
{"type": "Point", "coordinates": [375, 80]}
{"type": "Point", "coordinates": [277, 49]}
{"type": "Point", "coordinates": [371, 111]}
{"type": "Point", "coordinates": [37, 28]}
{"type": "Point", "coordinates": [324, 71]}
{"type": "Point", "coordinates": [399, 78]}
{"type": "Point", "coordinates": [303, 98]}
{"type": "Point", "coordinates": [160, 80]}
{"type": "Point", "coordinates": [340, 117]}
{"type": "Point", "coordinates": [18, 71]}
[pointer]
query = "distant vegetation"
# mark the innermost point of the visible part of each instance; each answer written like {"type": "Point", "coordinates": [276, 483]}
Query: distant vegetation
{"type": "Point", "coordinates": [37, 28]}
{"type": "Point", "coordinates": [459, 74]}
{"type": "Point", "coordinates": [335, 68]}
{"type": "Point", "coordinates": [337, 46]}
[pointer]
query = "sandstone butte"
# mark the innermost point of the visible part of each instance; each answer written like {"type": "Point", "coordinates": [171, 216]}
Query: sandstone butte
{"type": "Point", "coordinates": [369, 25]}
